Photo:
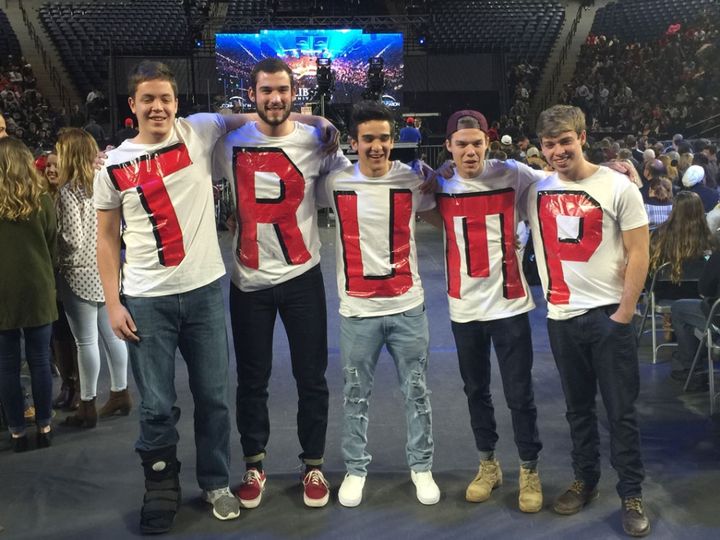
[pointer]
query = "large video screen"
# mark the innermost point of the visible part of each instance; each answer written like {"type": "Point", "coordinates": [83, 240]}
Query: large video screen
{"type": "Point", "coordinates": [349, 52]}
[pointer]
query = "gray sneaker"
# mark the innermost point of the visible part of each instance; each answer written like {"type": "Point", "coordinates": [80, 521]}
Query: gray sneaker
{"type": "Point", "coordinates": [225, 504]}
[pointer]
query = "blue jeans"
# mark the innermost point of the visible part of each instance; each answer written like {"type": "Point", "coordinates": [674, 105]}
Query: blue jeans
{"type": "Point", "coordinates": [592, 350]}
{"type": "Point", "coordinates": [687, 315]}
{"type": "Point", "coordinates": [90, 325]}
{"type": "Point", "coordinates": [406, 337]}
{"type": "Point", "coordinates": [301, 305]}
{"type": "Point", "coordinates": [513, 347]}
{"type": "Point", "coordinates": [194, 323]}
{"type": "Point", "coordinates": [37, 353]}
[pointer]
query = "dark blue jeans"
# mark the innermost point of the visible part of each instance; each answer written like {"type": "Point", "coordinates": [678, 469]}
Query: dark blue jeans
{"type": "Point", "coordinates": [194, 323]}
{"type": "Point", "coordinates": [513, 347]}
{"type": "Point", "coordinates": [592, 350]}
{"type": "Point", "coordinates": [301, 305]}
{"type": "Point", "coordinates": [37, 353]}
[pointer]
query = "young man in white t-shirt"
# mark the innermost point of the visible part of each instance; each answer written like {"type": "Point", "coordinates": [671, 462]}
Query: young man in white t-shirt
{"type": "Point", "coordinates": [156, 189]}
{"type": "Point", "coordinates": [591, 241]}
{"type": "Point", "coordinates": [272, 166]}
{"type": "Point", "coordinates": [489, 298]}
{"type": "Point", "coordinates": [381, 297]}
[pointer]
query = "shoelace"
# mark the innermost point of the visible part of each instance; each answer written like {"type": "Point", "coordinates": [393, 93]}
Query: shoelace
{"type": "Point", "coordinates": [577, 487]}
{"type": "Point", "coordinates": [252, 476]}
{"type": "Point", "coordinates": [315, 477]}
{"type": "Point", "coordinates": [532, 480]}
{"type": "Point", "coordinates": [634, 503]}
{"type": "Point", "coordinates": [488, 467]}
{"type": "Point", "coordinates": [217, 494]}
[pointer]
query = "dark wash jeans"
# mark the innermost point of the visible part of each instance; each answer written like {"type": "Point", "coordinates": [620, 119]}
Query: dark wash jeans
{"type": "Point", "coordinates": [37, 353]}
{"type": "Point", "coordinates": [301, 305]}
{"type": "Point", "coordinates": [592, 350]}
{"type": "Point", "coordinates": [194, 323]}
{"type": "Point", "coordinates": [513, 347]}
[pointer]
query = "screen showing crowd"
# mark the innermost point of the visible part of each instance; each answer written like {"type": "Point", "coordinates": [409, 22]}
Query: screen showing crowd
{"type": "Point", "coordinates": [349, 52]}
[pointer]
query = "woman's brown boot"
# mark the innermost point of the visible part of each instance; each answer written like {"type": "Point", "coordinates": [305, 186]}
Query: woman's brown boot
{"type": "Point", "coordinates": [85, 417]}
{"type": "Point", "coordinates": [74, 402]}
{"type": "Point", "coordinates": [64, 358]}
{"type": "Point", "coordinates": [119, 402]}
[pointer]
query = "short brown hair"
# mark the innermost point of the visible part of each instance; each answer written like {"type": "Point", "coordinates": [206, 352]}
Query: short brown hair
{"type": "Point", "coordinates": [270, 65]}
{"type": "Point", "coordinates": [559, 119]}
{"type": "Point", "coordinates": [149, 70]}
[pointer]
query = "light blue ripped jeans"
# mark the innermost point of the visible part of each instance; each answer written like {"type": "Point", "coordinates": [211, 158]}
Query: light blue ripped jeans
{"type": "Point", "coordinates": [406, 337]}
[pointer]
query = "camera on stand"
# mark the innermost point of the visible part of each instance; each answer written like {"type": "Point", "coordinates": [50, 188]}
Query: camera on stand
{"type": "Point", "coordinates": [375, 79]}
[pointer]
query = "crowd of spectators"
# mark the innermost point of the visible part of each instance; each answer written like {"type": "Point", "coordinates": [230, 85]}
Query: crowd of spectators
{"type": "Point", "coordinates": [661, 86]}
{"type": "Point", "coordinates": [27, 113]}
{"type": "Point", "coordinates": [523, 79]}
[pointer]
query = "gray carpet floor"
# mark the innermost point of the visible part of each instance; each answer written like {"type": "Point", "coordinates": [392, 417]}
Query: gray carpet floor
{"type": "Point", "coordinates": [89, 484]}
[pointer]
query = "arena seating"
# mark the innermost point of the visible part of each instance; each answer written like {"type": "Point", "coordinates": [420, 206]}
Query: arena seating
{"type": "Point", "coordinates": [641, 76]}
{"type": "Point", "coordinates": [8, 40]}
{"type": "Point", "coordinates": [85, 33]}
{"type": "Point", "coordinates": [526, 31]}
{"type": "Point", "coordinates": [645, 20]}
{"type": "Point", "coordinates": [240, 9]}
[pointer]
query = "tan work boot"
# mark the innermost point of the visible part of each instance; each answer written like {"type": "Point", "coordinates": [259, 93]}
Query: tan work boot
{"type": "Point", "coordinates": [489, 477]}
{"type": "Point", "coordinates": [531, 498]}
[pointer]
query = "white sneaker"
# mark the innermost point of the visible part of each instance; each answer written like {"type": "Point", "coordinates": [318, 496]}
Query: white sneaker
{"type": "Point", "coordinates": [351, 490]}
{"type": "Point", "coordinates": [225, 504]}
{"type": "Point", "coordinates": [426, 489]}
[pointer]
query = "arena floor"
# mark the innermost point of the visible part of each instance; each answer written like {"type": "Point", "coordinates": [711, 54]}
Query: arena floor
{"type": "Point", "coordinates": [89, 484]}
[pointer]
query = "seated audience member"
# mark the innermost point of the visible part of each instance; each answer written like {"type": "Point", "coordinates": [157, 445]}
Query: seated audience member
{"type": "Point", "coordinates": [691, 313]}
{"type": "Point", "coordinates": [710, 151]}
{"type": "Point", "coordinates": [693, 181]}
{"type": "Point", "coordinates": [652, 170]}
{"type": "Point", "coordinates": [536, 160]}
{"type": "Point", "coordinates": [710, 172]}
{"type": "Point", "coordinates": [713, 221]}
{"type": "Point", "coordinates": [671, 168]}
{"type": "Point", "coordinates": [659, 202]}
{"type": "Point", "coordinates": [684, 237]}
{"type": "Point", "coordinates": [27, 240]}
{"type": "Point", "coordinates": [684, 162]}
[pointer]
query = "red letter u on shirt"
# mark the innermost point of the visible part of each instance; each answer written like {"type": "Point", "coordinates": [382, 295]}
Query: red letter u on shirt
{"type": "Point", "coordinates": [281, 211]}
{"type": "Point", "coordinates": [399, 278]}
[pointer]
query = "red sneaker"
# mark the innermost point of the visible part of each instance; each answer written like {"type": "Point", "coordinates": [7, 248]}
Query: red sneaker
{"type": "Point", "coordinates": [316, 490]}
{"type": "Point", "coordinates": [251, 489]}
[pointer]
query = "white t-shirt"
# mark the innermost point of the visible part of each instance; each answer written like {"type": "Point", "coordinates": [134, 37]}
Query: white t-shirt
{"type": "Point", "coordinates": [376, 259]}
{"type": "Point", "coordinates": [273, 183]}
{"type": "Point", "coordinates": [166, 196]}
{"type": "Point", "coordinates": [483, 269]}
{"type": "Point", "coordinates": [577, 232]}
